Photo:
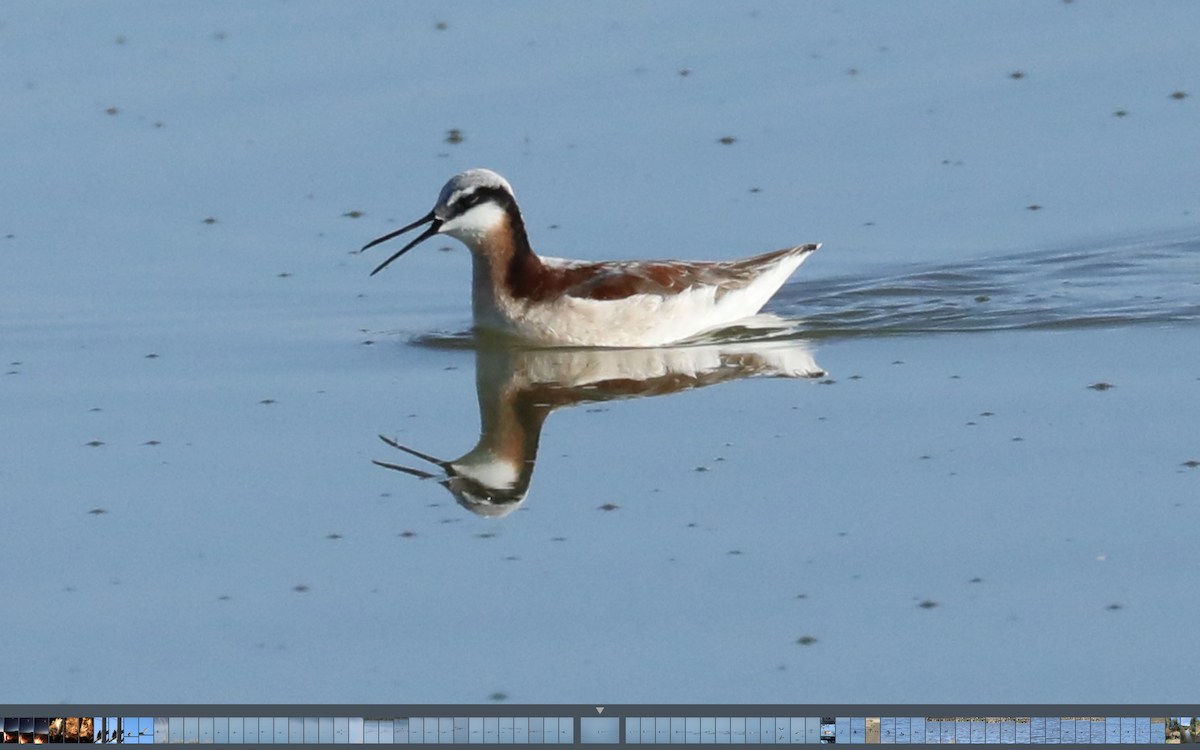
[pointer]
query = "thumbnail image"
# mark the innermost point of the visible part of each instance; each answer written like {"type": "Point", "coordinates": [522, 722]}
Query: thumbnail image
{"type": "Point", "coordinates": [1183, 729]}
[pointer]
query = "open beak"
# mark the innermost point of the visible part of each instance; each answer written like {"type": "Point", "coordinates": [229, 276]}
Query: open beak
{"type": "Point", "coordinates": [445, 465]}
{"type": "Point", "coordinates": [431, 219]}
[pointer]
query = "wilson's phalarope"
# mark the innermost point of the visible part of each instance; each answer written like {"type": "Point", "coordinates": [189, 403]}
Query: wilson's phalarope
{"type": "Point", "coordinates": [556, 302]}
{"type": "Point", "coordinates": [518, 388]}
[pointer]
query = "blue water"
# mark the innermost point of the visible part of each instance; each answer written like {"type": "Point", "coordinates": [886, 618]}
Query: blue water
{"type": "Point", "coordinates": [946, 502]}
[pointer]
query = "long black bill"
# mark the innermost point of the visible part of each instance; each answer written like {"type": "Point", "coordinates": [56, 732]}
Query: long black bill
{"type": "Point", "coordinates": [432, 230]}
{"type": "Point", "coordinates": [445, 465]}
{"type": "Point", "coordinates": [418, 454]}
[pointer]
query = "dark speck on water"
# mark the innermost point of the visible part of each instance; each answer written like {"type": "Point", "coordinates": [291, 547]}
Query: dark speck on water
{"type": "Point", "coordinates": [1179, 95]}
{"type": "Point", "coordinates": [609, 507]}
{"type": "Point", "coordinates": [927, 604]}
{"type": "Point", "coordinates": [727, 140]}
{"type": "Point", "coordinates": [1192, 463]}
{"type": "Point", "coordinates": [300, 588]}
{"type": "Point", "coordinates": [454, 135]}
{"type": "Point", "coordinates": [210, 220]}
{"type": "Point", "coordinates": [96, 443]}
{"type": "Point", "coordinates": [97, 511]}
{"type": "Point", "coordinates": [353, 214]}
{"type": "Point", "coordinates": [806, 640]}
{"type": "Point", "coordinates": [1101, 386]}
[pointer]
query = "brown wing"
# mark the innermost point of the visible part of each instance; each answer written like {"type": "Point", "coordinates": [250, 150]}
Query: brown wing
{"type": "Point", "coordinates": [609, 281]}
{"type": "Point", "coordinates": [540, 280]}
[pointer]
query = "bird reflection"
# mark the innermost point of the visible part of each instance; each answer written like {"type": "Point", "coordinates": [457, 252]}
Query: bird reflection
{"type": "Point", "coordinates": [519, 388]}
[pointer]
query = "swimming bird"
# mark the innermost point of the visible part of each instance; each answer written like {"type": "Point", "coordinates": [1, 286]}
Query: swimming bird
{"type": "Point", "coordinates": [556, 302]}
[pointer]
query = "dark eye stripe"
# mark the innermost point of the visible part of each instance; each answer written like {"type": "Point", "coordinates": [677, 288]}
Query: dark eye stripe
{"type": "Point", "coordinates": [467, 201]}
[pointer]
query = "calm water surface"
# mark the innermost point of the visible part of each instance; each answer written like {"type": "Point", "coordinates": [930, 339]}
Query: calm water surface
{"type": "Point", "coordinates": [944, 472]}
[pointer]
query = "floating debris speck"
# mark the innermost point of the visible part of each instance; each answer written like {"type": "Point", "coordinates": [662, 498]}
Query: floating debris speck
{"type": "Point", "coordinates": [1179, 95]}
{"type": "Point", "coordinates": [1101, 386]}
{"type": "Point", "coordinates": [454, 135]}
{"type": "Point", "coordinates": [806, 640]}
{"type": "Point", "coordinates": [608, 507]}
{"type": "Point", "coordinates": [354, 214]}
{"type": "Point", "coordinates": [727, 140]}
{"type": "Point", "coordinates": [928, 604]}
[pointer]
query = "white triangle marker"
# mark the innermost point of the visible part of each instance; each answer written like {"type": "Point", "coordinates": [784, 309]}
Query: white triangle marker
{"type": "Point", "coordinates": [599, 709]}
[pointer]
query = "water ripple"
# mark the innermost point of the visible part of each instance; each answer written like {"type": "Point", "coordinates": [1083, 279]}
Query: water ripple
{"type": "Point", "coordinates": [1155, 283]}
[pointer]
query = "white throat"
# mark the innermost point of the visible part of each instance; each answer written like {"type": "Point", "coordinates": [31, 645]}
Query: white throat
{"type": "Point", "coordinates": [471, 227]}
